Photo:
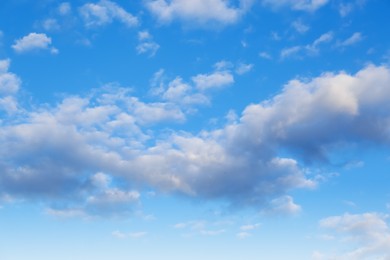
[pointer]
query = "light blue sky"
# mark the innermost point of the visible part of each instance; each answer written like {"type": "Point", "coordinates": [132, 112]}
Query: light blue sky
{"type": "Point", "coordinates": [194, 129]}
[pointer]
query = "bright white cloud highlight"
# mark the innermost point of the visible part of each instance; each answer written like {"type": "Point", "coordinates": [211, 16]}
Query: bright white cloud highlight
{"type": "Point", "coordinates": [105, 12]}
{"type": "Point", "coordinates": [34, 41]}
{"type": "Point", "coordinates": [198, 12]}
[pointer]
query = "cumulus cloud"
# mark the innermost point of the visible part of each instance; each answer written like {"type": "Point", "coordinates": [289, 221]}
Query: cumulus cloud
{"type": "Point", "coordinates": [217, 79]}
{"type": "Point", "coordinates": [9, 86]}
{"type": "Point", "coordinates": [105, 12]}
{"type": "Point", "coordinates": [34, 41]}
{"type": "Point", "coordinates": [96, 152]}
{"type": "Point", "coordinates": [300, 5]}
{"type": "Point", "coordinates": [198, 12]}
{"type": "Point", "coordinates": [370, 233]}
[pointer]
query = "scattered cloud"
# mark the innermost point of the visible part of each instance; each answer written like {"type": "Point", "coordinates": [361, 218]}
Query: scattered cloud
{"type": "Point", "coordinates": [300, 27]}
{"type": "Point", "coordinates": [345, 9]}
{"type": "Point", "coordinates": [64, 8]}
{"type": "Point", "coordinates": [32, 42]}
{"type": "Point", "coordinates": [105, 12]}
{"type": "Point", "coordinates": [50, 24]}
{"type": "Point", "coordinates": [198, 12]}
{"type": "Point", "coordinates": [368, 235]}
{"type": "Point", "coordinates": [243, 68]}
{"type": "Point", "coordinates": [299, 5]}
{"type": "Point", "coordinates": [146, 44]}
{"type": "Point", "coordinates": [265, 55]}
{"type": "Point", "coordinates": [355, 38]}
{"type": "Point", "coordinates": [312, 48]}
{"type": "Point", "coordinates": [217, 79]}
{"type": "Point", "coordinates": [290, 51]}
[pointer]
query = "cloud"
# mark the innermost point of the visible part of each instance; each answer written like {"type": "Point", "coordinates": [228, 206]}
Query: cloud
{"type": "Point", "coordinates": [190, 94]}
{"type": "Point", "coordinates": [299, 5]}
{"type": "Point", "coordinates": [243, 68]}
{"type": "Point", "coordinates": [64, 8]}
{"type": "Point", "coordinates": [300, 27]}
{"type": "Point", "coordinates": [312, 48]}
{"type": "Point", "coordinates": [95, 154]}
{"type": "Point", "coordinates": [265, 55]}
{"type": "Point", "coordinates": [217, 79]}
{"type": "Point", "coordinates": [355, 38]}
{"type": "Point", "coordinates": [146, 44]}
{"type": "Point", "coordinates": [198, 12]}
{"type": "Point", "coordinates": [283, 206]}
{"type": "Point", "coordinates": [368, 234]}
{"type": "Point", "coordinates": [287, 52]}
{"type": "Point", "coordinates": [105, 12]}
{"type": "Point", "coordinates": [9, 86]}
{"type": "Point", "coordinates": [34, 41]}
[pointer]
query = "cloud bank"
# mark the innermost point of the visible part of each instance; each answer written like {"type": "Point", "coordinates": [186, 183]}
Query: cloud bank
{"type": "Point", "coordinates": [98, 153]}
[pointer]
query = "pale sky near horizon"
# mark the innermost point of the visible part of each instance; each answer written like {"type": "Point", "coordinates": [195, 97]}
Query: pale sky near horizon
{"type": "Point", "coordinates": [194, 129]}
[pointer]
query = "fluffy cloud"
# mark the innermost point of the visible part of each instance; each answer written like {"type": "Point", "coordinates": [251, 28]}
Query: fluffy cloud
{"type": "Point", "coordinates": [301, 5]}
{"type": "Point", "coordinates": [198, 11]}
{"type": "Point", "coordinates": [9, 86]}
{"type": "Point", "coordinates": [54, 153]}
{"type": "Point", "coordinates": [34, 41]}
{"type": "Point", "coordinates": [369, 231]}
{"type": "Point", "coordinates": [216, 79]}
{"type": "Point", "coordinates": [105, 12]}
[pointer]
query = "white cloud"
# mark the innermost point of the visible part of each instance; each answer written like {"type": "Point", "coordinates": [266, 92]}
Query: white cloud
{"type": "Point", "coordinates": [198, 12]}
{"type": "Point", "coordinates": [34, 41]}
{"type": "Point", "coordinates": [312, 48]}
{"type": "Point", "coordinates": [64, 8]}
{"type": "Point", "coordinates": [300, 27]}
{"type": "Point", "coordinates": [287, 52]}
{"type": "Point", "coordinates": [265, 55]}
{"type": "Point", "coordinates": [146, 44]}
{"type": "Point", "coordinates": [355, 38]}
{"type": "Point", "coordinates": [345, 9]}
{"type": "Point", "coordinates": [368, 234]}
{"type": "Point", "coordinates": [301, 5]}
{"type": "Point", "coordinates": [282, 206]}
{"type": "Point", "coordinates": [243, 68]}
{"type": "Point", "coordinates": [105, 12]}
{"type": "Point", "coordinates": [50, 24]}
{"type": "Point", "coordinates": [217, 79]}
{"type": "Point", "coordinates": [9, 86]}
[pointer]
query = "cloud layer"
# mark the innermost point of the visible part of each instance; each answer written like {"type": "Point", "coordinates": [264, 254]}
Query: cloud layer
{"type": "Point", "coordinates": [97, 153]}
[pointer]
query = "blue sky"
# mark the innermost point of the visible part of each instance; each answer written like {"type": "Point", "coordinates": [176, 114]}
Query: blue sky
{"type": "Point", "coordinates": [194, 129]}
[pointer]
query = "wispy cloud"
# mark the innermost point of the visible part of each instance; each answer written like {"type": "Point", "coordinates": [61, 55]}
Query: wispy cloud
{"type": "Point", "coordinates": [104, 12]}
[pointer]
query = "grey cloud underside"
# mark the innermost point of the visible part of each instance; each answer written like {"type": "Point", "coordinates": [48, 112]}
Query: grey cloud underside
{"type": "Point", "coordinates": [61, 153]}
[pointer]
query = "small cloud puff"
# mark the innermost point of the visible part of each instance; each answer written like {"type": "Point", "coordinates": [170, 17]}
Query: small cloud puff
{"type": "Point", "coordinates": [34, 41]}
